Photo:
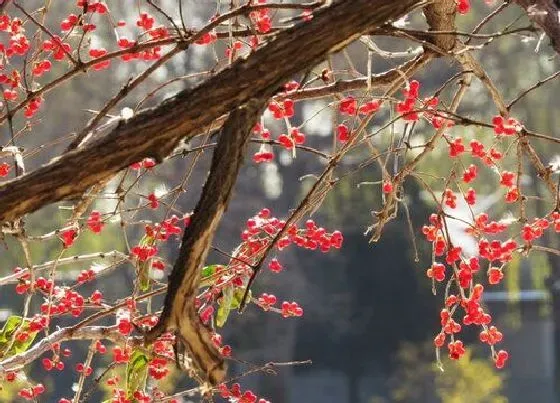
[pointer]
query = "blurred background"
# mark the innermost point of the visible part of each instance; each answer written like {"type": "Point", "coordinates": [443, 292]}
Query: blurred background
{"type": "Point", "coordinates": [370, 315]}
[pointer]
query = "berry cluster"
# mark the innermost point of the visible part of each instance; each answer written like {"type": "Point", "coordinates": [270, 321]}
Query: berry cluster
{"type": "Point", "coordinates": [235, 394]}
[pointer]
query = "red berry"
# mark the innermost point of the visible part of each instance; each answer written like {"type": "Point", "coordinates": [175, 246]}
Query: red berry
{"type": "Point", "coordinates": [387, 187]}
{"type": "Point", "coordinates": [47, 364]}
{"type": "Point", "coordinates": [501, 358]}
{"type": "Point", "coordinates": [343, 133]}
{"type": "Point", "coordinates": [275, 266]}
{"type": "Point", "coordinates": [495, 275]}
{"type": "Point", "coordinates": [4, 169]}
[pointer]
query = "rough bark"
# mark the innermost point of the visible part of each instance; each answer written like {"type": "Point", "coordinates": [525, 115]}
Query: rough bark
{"type": "Point", "coordinates": [155, 132]}
{"type": "Point", "coordinates": [179, 313]}
{"type": "Point", "coordinates": [440, 15]}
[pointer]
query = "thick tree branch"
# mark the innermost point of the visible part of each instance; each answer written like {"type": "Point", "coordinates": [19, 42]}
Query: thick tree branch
{"type": "Point", "coordinates": [156, 132]}
{"type": "Point", "coordinates": [179, 312]}
{"type": "Point", "coordinates": [380, 80]}
{"type": "Point", "coordinates": [440, 15]}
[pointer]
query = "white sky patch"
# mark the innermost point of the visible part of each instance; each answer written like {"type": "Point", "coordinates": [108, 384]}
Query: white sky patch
{"type": "Point", "coordinates": [457, 228]}
{"type": "Point", "coordinates": [535, 11]}
{"type": "Point", "coordinates": [127, 113]}
{"type": "Point", "coordinates": [272, 181]}
{"type": "Point", "coordinates": [5, 314]}
{"type": "Point", "coordinates": [318, 118]}
{"type": "Point", "coordinates": [285, 158]}
{"type": "Point", "coordinates": [547, 63]}
{"type": "Point", "coordinates": [19, 160]}
{"type": "Point", "coordinates": [508, 218]}
{"type": "Point", "coordinates": [476, 88]}
{"type": "Point", "coordinates": [123, 72]}
{"type": "Point", "coordinates": [115, 218]}
{"type": "Point", "coordinates": [96, 42]}
{"type": "Point", "coordinates": [109, 203]}
{"type": "Point", "coordinates": [180, 61]}
{"type": "Point", "coordinates": [401, 22]}
{"type": "Point", "coordinates": [97, 266]}
{"type": "Point", "coordinates": [160, 73]}
{"type": "Point", "coordinates": [198, 57]}
{"type": "Point", "coordinates": [555, 163]}
{"type": "Point", "coordinates": [157, 274]}
{"type": "Point", "coordinates": [416, 141]}
{"type": "Point", "coordinates": [161, 190]}
{"type": "Point", "coordinates": [525, 180]}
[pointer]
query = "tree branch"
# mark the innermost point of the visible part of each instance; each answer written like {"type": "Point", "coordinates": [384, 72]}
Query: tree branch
{"type": "Point", "coordinates": [68, 333]}
{"type": "Point", "coordinates": [179, 311]}
{"type": "Point", "coordinates": [440, 15]}
{"type": "Point", "coordinates": [156, 132]}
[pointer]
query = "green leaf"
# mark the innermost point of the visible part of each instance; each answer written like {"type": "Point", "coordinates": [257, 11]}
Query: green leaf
{"type": "Point", "coordinates": [9, 328]}
{"type": "Point", "coordinates": [147, 241]}
{"type": "Point", "coordinates": [143, 275]}
{"type": "Point", "coordinates": [207, 273]}
{"type": "Point", "coordinates": [7, 337]}
{"type": "Point", "coordinates": [224, 306]}
{"type": "Point", "coordinates": [238, 297]}
{"type": "Point", "coordinates": [22, 346]}
{"type": "Point", "coordinates": [136, 373]}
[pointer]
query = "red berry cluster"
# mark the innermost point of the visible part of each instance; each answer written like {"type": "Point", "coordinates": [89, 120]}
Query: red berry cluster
{"type": "Point", "coordinates": [506, 127]}
{"type": "Point", "coordinates": [121, 355]}
{"type": "Point", "coordinates": [463, 6]}
{"type": "Point", "coordinates": [406, 107]}
{"type": "Point", "coordinates": [144, 253]}
{"type": "Point", "coordinates": [65, 301]}
{"type": "Point", "coordinates": [235, 394]}
{"type": "Point", "coordinates": [146, 163]}
{"type": "Point", "coordinates": [85, 276]}
{"type": "Point", "coordinates": [343, 133]}
{"type": "Point", "coordinates": [256, 241]}
{"type": "Point", "coordinates": [282, 109]}
{"type": "Point", "coordinates": [469, 294]}
{"type": "Point", "coordinates": [265, 153]}
{"type": "Point", "coordinates": [349, 106]}
{"type": "Point", "coordinates": [157, 368]}
{"type": "Point", "coordinates": [123, 322]}
{"type": "Point", "coordinates": [32, 393]}
{"type": "Point", "coordinates": [4, 169]}
{"type": "Point", "coordinates": [291, 309]}
{"type": "Point", "coordinates": [82, 369]}
{"type": "Point", "coordinates": [409, 112]}
{"type": "Point", "coordinates": [463, 272]}
{"type": "Point", "coordinates": [94, 222]}
{"type": "Point", "coordinates": [456, 147]}
{"type": "Point", "coordinates": [266, 301]}
{"type": "Point", "coordinates": [68, 237]}
{"type": "Point", "coordinates": [261, 18]}
{"type": "Point", "coordinates": [225, 350]}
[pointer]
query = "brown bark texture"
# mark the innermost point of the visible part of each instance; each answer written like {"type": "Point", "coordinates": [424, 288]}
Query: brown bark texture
{"type": "Point", "coordinates": [157, 131]}
{"type": "Point", "coordinates": [179, 313]}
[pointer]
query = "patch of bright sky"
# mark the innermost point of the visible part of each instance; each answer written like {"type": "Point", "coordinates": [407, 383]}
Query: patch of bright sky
{"type": "Point", "coordinates": [317, 116]}
{"type": "Point", "coordinates": [272, 181]}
